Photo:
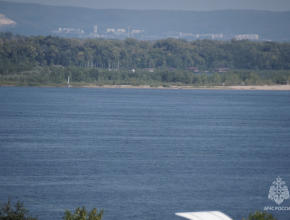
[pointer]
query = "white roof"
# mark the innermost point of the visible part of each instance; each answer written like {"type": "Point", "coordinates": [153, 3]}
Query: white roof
{"type": "Point", "coordinates": [212, 215]}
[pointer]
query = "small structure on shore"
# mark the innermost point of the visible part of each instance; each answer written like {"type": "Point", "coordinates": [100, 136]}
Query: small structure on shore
{"type": "Point", "coordinates": [150, 70]}
{"type": "Point", "coordinates": [194, 69]}
{"type": "Point", "coordinates": [222, 70]}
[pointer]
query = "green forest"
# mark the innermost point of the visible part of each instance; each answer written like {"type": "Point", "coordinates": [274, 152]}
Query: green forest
{"type": "Point", "coordinates": [47, 60]}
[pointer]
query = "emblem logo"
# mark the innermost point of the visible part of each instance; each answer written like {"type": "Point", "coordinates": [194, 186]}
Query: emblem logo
{"type": "Point", "coordinates": [278, 191]}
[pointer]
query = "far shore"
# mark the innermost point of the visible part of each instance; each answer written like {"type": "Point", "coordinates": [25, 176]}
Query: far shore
{"type": "Point", "coordinates": [265, 87]}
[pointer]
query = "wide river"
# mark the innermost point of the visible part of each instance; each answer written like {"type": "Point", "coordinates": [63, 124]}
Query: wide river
{"type": "Point", "coordinates": [143, 154]}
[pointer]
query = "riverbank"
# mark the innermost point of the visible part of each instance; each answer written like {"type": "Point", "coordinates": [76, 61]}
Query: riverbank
{"type": "Point", "coordinates": [265, 87]}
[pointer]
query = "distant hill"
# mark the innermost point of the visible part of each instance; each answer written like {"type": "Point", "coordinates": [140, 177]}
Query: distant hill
{"type": "Point", "coordinates": [35, 19]}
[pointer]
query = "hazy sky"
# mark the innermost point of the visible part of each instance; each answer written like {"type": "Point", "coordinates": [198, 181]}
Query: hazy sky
{"type": "Point", "coordinates": [193, 5]}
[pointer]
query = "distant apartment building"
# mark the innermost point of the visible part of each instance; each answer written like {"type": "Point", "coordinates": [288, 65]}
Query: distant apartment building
{"type": "Point", "coordinates": [69, 31]}
{"type": "Point", "coordinates": [247, 37]}
{"type": "Point", "coordinates": [181, 34]}
{"type": "Point", "coordinates": [111, 30]}
{"type": "Point", "coordinates": [217, 36]}
{"type": "Point", "coordinates": [212, 36]}
{"type": "Point", "coordinates": [117, 32]}
{"type": "Point", "coordinates": [137, 31]}
{"type": "Point", "coordinates": [94, 34]}
{"type": "Point", "coordinates": [121, 30]}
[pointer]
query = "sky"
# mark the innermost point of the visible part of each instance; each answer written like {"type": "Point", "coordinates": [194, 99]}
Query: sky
{"type": "Point", "coordinates": [191, 5]}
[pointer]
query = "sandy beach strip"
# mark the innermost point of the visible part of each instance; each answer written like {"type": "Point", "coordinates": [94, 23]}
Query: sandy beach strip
{"type": "Point", "coordinates": [266, 87]}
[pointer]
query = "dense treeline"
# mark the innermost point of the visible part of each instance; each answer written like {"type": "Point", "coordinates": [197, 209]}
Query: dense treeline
{"type": "Point", "coordinates": [37, 60]}
{"type": "Point", "coordinates": [131, 53]}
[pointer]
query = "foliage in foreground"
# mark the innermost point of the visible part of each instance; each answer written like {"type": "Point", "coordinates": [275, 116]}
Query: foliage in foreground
{"type": "Point", "coordinates": [14, 212]}
{"type": "Point", "coordinates": [260, 216]}
{"type": "Point", "coordinates": [19, 212]}
{"type": "Point", "coordinates": [82, 214]}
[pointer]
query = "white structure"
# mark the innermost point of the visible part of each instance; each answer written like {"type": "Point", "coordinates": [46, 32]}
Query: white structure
{"type": "Point", "coordinates": [69, 31]}
{"type": "Point", "coordinates": [188, 35]}
{"type": "Point", "coordinates": [94, 34]}
{"type": "Point", "coordinates": [121, 30]}
{"type": "Point", "coordinates": [137, 31]}
{"type": "Point", "coordinates": [215, 36]}
{"type": "Point", "coordinates": [212, 215]}
{"type": "Point", "coordinates": [150, 70]}
{"type": "Point", "coordinates": [212, 36]}
{"type": "Point", "coordinates": [247, 37]}
{"type": "Point", "coordinates": [111, 30]}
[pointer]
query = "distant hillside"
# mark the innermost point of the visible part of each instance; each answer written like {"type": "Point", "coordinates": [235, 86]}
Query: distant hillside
{"type": "Point", "coordinates": [34, 19]}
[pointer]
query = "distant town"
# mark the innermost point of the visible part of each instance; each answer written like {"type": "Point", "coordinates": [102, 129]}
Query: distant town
{"type": "Point", "coordinates": [113, 33]}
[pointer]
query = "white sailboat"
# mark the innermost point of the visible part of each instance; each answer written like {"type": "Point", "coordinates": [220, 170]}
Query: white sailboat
{"type": "Point", "coordinates": [68, 85]}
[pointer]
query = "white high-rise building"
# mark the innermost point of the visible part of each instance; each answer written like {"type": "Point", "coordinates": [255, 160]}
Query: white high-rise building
{"type": "Point", "coordinates": [110, 30]}
{"type": "Point", "coordinates": [95, 29]}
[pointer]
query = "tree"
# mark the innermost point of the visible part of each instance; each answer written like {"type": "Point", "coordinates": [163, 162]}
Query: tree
{"type": "Point", "coordinates": [82, 214]}
{"type": "Point", "coordinates": [216, 79]}
{"type": "Point", "coordinates": [260, 216]}
{"type": "Point", "coordinates": [19, 212]}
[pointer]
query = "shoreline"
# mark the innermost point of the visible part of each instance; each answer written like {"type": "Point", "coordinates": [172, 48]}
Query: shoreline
{"type": "Point", "coordinates": [258, 88]}
{"type": "Point", "coordinates": [266, 87]}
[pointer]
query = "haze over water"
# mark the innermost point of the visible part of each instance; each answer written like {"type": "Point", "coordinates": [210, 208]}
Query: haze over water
{"type": "Point", "coordinates": [143, 154]}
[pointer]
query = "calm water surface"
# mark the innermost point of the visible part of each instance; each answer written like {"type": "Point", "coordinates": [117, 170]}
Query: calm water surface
{"type": "Point", "coordinates": [143, 154]}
